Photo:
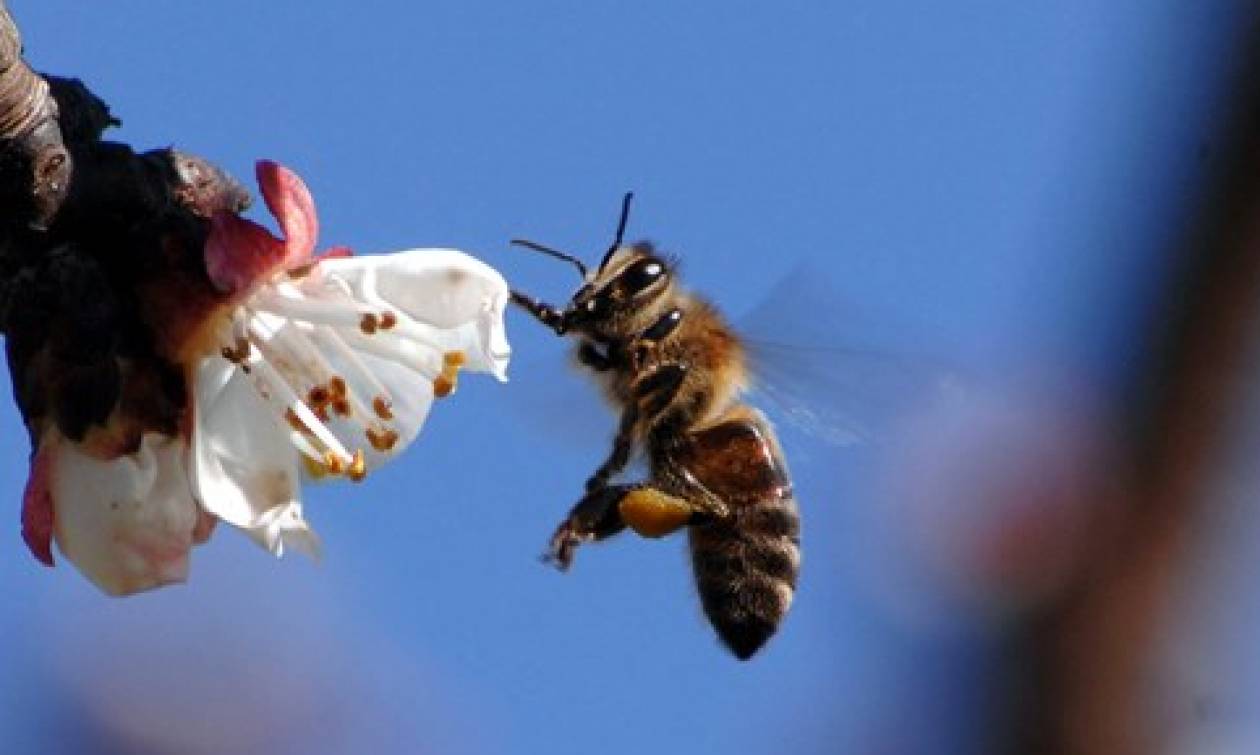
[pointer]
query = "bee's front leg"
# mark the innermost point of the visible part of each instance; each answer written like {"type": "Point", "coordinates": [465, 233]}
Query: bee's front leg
{"type": "Point", "coordinates": [545, 313]}
{"type": "Point", "coordinates": [623, 445]}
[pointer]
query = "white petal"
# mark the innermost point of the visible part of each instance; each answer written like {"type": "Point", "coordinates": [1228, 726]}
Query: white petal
{"type": "Point", "coordinates": [442, 288]}
{"type": "Point", "coordinates": [410, 396]}
{"type": "Point", "coordinates": [127, 523]}
{"type": "Point", "coordinates": [284, 525]}
{"type": "Point", "coordinates": [244, 468]}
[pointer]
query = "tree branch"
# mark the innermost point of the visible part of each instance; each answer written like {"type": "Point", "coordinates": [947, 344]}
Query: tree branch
{"type": "Point", "coordinates": [34, 161]}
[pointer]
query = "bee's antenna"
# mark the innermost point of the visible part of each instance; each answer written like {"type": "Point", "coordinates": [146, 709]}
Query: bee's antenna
{"type": "Point", "coordinates": [621, 229]}
{"type": "Point", "coordinates": [551, 253]}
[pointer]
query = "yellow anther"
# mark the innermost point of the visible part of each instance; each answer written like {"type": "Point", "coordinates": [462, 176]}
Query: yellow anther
{"type": "Point", "coordinates": [337, 386]}
{"type": "Point", "coordinates": [388, 320]}
{"type": "Point", "coordinates": [444, 384]}
{"type": "Point", "coordinates": [369, 323]}
{"type": "Point", "coordinates": [237, 353]}
{"type": "Point", "coordinates": [334, 464]}
{"type": "Point", "coordinates": [314, 468]}
{"type": "Point", "coordinates": [382, 440]}
{"type": "Point", "coordinates": [358, 466]}
{"type": "Point", "coordinates": [383, 408]}
{"type": "Point", "coordinates": [318, 396]}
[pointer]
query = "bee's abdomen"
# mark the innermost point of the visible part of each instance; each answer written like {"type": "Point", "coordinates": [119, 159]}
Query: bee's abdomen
{"type": "Point", "coordinates": [746, 568]}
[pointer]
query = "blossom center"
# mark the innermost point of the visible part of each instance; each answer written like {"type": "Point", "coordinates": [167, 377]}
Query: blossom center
{"type": "Point", "coordinates": [302, 339]}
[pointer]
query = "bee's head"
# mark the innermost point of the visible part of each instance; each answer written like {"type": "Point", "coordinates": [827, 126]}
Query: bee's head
{"type": "Point", "coordinates": [626, 293]}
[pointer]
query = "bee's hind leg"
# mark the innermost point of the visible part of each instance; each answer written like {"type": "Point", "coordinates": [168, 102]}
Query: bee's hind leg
{"type": "Point", "coordinates": [606, 511]}
{"type": "Point", "coordinates": [595, 517]}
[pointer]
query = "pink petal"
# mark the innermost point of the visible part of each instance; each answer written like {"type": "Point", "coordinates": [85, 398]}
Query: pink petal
{"type": "Point", "coordinates": [240, 252]}
{"type": "Point", "coordinates": [206, 523]}
{"type": "Point", "coordinates": [335, 253]}
{"type": "Point", "coordinates": [37, 509]}
{"type": "Point", "coordinates": [290, 202]}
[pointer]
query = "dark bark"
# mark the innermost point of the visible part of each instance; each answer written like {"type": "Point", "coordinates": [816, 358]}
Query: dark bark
{"type": "Point", "coordinates": [99, 246]}
{"type": "Point", "coordinates": [33, 157]}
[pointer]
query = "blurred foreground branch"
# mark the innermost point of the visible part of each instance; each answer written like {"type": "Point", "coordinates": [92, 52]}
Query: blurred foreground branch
{"type": "Point", "coordinates": [1084, 659]}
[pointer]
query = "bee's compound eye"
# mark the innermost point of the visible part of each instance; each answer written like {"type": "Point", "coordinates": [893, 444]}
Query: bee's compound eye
{"type": "Point", "coordinates": [642, 274]}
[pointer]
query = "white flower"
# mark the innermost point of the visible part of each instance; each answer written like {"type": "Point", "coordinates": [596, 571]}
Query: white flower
{"type": "Point", "coordinates": [327, 365]}
{"type": "Point", "coordinates": [337, 368]}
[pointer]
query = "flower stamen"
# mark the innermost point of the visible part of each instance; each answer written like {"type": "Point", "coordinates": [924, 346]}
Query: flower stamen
{"type": "Point", "coordinates": [237, 353]}
{"type": "Point", "coordinates": [330, 394]}
{"type": "Point", "coordinates": [275, 384]}
{"type": "Point", "coordinates": [358, 466]}
{"type": "Point", "coordinates": [383, 441]}
{"type": "Point", "coordinates": [448, 379]}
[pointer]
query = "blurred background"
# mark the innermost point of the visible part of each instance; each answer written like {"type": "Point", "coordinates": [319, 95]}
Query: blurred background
{"type": "Point", "coordinates": [1053, 204]}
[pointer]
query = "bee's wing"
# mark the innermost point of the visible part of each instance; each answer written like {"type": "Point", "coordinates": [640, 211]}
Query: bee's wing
{"type": "Point", "coordinates": [843, 396]}
{"type": "Point", "coordinates": [563, 409]}
{"type": "Point", "coordinates": [823, 370]}
{"type": "Point", "coordinates": [560, 402]}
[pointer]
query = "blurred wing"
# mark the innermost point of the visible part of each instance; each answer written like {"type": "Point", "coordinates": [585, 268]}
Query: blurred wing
{"type": "Point", "coordinates": [563, 408]}
{"type": "Point", "coordinates": [834, 375]}
{"type": "Point", "coordinates": [560, 403]}
{"type": "Point", "coordinates": [841, 396]}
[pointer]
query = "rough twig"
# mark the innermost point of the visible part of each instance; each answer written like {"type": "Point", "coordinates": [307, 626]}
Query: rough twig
{"type": "Point", "coordinates": [100, 246]}
{"type": "Point", "coordinates": [33, 156]}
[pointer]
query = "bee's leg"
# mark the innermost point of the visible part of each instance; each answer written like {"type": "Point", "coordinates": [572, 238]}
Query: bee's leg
{"type": "Point", "coordinates": [623, 444]}
{"type": "Point", "coordinates": [595, 517]}
{"type": "Point", "coordinates": [591, 357]}
{"type": "Point", "coordinates": [643, 346]}
{"type": "Point", "coordinates": [651, 395]}
{"type": "Point", "coordinates": [545, 313]}
{"type": "Point", "coordinates": [655, 391]}
{"type": "Point", "coordinates": [645, 508]}
{"type": "Point", "coordinates": [706, 502]}
{"type": "Point", "coordinates": [652, 512]}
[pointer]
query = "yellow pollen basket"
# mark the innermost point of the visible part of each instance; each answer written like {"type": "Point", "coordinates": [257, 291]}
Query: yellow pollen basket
{"type": "Point", "coordinates": [652, 513]}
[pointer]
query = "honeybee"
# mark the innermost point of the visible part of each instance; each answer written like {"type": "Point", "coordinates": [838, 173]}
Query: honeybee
{"type": "Point", "coordinates": [675, 369]}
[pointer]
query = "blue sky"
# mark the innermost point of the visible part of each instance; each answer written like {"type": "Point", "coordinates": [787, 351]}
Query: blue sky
{"type": "Point", "coordinates": [988, 184]}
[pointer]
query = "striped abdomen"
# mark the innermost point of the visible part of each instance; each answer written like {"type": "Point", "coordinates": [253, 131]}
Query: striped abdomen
{"type": "Point", "coordinates": [746, 565]}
